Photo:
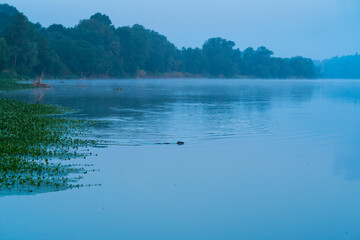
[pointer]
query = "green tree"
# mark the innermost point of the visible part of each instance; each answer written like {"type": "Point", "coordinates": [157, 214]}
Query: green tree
{"type": "Point", "coordinates": [194, 61]}
{"type": "Point", "coordinates": [4, 54]}
{"type": "Point", "coordinates": [24, 52]}
{"type": "Point", "coordinates": [220, 56]}
{"type": "Point", "coordinates": [95, 47]}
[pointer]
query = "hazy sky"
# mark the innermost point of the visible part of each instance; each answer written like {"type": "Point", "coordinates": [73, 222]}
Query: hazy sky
{"type": "Point", "coordinates": [311, 28]}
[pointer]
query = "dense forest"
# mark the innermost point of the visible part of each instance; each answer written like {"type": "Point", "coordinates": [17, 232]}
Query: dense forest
{"type": "Point", "coordinates": [96, 48]}
{"type": "Point", "coordinates": [347, 67]}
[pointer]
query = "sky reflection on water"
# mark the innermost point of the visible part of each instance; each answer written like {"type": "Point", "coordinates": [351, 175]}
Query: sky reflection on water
{"type": "Point", "coordinates": [263, 159]}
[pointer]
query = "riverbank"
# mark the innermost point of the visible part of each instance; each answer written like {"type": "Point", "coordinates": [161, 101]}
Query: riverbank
{"type": "Point", "coordinates": [170, 75]}
{"type": "Point", "coordinates": [35, 140]}
{"type": "Point", "coordinates": [10, 81]}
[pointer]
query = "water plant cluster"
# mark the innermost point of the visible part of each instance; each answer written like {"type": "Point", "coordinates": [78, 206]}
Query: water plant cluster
{"type": "Point", "coordinates": [35, 140]}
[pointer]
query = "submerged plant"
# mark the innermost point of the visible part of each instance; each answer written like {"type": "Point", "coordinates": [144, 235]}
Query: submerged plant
{"type": "Point", "coordinates": [33, 140]}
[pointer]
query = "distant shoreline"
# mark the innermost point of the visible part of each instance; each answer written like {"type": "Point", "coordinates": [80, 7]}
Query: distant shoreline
{"type": "Point", "coordinates": [167, 76]}
{"type": "Point", "coordinates": [96, 48]}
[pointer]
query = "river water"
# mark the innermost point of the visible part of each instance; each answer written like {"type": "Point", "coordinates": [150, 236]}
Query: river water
{"type": "Point", "coordinates": [263, 159]}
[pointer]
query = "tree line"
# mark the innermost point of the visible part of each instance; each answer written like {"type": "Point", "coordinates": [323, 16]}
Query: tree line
{"type": "Point", "coordinates": [96, 48]}
{"type": "Point", "coordinates": [346, 67]}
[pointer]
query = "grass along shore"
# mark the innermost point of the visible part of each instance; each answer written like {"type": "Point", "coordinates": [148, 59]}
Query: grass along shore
{"type": "Point", "coordinates": [10, 81]}
{"type": "Point", "coordinates": [35, 140]}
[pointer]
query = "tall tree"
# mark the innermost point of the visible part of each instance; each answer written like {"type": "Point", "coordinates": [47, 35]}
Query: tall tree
{"type": "Point", "coordinates": [220, 55]}
{"type": "Point", "coordinates": [19, 35]}
{"type": "Point", "coordinates": [96, 48]}
{"type": "Point", "coordinates": [4, 52]}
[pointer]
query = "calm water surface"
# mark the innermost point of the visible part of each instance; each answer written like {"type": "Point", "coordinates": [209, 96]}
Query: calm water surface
{"type": "Point", "coordinates": [272, 159]}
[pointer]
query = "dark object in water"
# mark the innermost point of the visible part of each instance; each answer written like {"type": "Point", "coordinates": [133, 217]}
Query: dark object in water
{"type": "Point", "coordinates": [166, 143]}
{"type": "Point", "coordinates": [39, 84]}
{"type": "Point", "coordinates": [42, 95]}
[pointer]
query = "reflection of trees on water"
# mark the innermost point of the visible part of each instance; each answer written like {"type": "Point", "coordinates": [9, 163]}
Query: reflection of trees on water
{"type": "Point", "coordinates": [149, 111]}
{"type": "Point", "coordinates": [348, 165]}
{"type": "Point", "coordinates": [183, 108]}
{"type": "Point", "coordinates": [347, 157]}
{"type": "Point", "coordinates": [347, 152]}
{"type": "Point", "coordinates": [349, 92]}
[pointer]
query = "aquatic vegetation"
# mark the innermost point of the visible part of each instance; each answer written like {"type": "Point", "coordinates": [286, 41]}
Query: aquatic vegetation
{"type": "Point", "coordinates": [34, 140]}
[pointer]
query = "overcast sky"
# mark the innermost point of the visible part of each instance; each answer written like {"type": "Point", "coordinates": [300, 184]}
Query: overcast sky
{"type": "Point", "coordinates": [311, 28]}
